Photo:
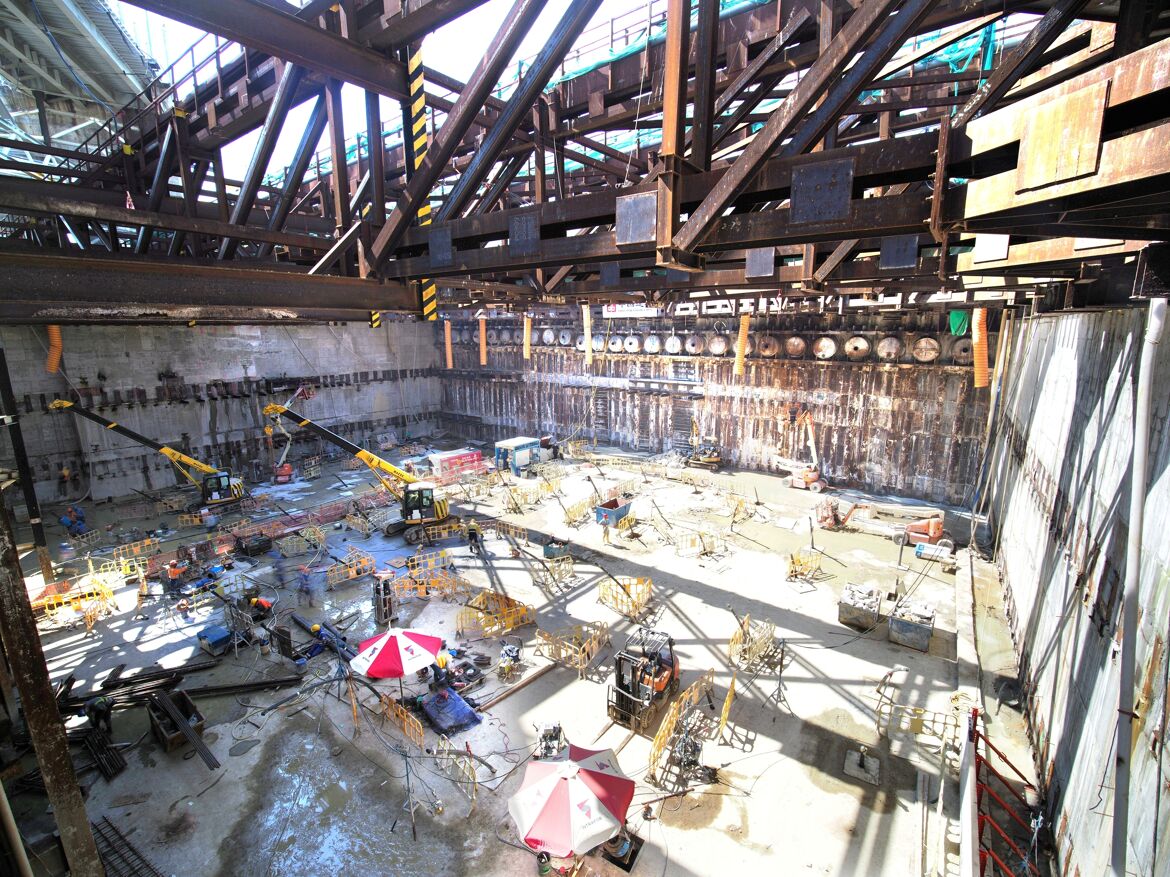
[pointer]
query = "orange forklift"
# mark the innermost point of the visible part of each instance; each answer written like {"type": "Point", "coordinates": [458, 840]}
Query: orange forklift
{"type": "Point", "coordinates": [645, 677]}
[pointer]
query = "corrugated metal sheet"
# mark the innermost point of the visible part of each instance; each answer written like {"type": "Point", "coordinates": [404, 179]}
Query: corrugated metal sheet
{"type": "Point", "coordinates": [1061, 496]}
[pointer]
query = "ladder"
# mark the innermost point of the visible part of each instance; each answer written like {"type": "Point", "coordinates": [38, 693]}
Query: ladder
{"type": "Point", "coordinates": [600, 422]}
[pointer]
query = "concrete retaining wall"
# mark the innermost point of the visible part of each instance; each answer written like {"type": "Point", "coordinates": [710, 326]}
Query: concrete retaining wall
{"type": "Point", "coordinates": [202, 388]}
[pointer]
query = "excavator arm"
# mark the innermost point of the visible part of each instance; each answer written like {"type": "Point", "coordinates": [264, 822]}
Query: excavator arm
{"type": "Point", "coordinates": [376, 464]}
{"type": "Point", "coordinates": [184, 463]}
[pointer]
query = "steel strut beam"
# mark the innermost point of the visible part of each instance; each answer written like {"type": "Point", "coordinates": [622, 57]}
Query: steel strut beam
{"type": "Point", "coordinates": [796, 119]}
{"type": "Point", "coordinates": [277, 113]}
{"type": "Point", "coordinates": [158, 187]}
{"type": "Point", "coordinates": [262, 26]}
{"type": "Point", "coordinates": [296, 172]}
{"type": "Point", "coordinates": [514, 28]}
{"type": "Point", "coordinates": [519, 105]}
{"type": "Point", "coordinates": [1009, 71]}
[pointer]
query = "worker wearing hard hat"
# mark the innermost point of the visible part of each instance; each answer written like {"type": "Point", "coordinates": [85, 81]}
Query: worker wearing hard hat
{"type": "Point", "coordinates": [474, 537]}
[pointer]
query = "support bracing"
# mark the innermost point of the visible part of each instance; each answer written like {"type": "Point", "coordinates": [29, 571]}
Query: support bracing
{"type": "Point", "coordinates": [277, 113]}
{"type": "Point", "coordinates": [519, 104]}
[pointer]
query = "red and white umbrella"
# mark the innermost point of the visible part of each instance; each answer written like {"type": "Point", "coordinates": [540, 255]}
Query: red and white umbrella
{"type": "Point", "coordinates": [573, 804]}
{"type": "Point", "coordinates": [396, 653]}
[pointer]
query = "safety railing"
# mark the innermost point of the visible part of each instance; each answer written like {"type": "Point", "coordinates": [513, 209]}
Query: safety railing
{"type": "Point", "coordinates": [685, 701]}
{"type": "Point", "coordinates": [575, 646]}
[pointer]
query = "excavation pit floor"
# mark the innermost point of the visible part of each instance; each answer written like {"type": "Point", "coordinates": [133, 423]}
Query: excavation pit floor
{"type": "Point", "coordinates": [318, 784]}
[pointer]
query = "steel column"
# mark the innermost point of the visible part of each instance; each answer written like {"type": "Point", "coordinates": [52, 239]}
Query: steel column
{"type": "Point", "coordinates": [377, 149]}
{"type": "Point", "coordinates": [342, 216]}
{"type": "Point", "coordinates": [499, 53]}
{"type": "Point", "coordinates": [295, 175]}
{"type": "Point", "coordinates": [674, 104]}
{"type": "Point", "coordinates": [281, 102]}
{"type": "Point", "coordinates": [23, 469]}
{"type": "Point", "coordinates": [531, 84]}
{"type": "Point", "coordinates": [703, 118]}
{"type": "Point", "coordinates": [22, 643]}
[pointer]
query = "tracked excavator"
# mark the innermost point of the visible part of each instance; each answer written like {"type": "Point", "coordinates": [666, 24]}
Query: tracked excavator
{"type": "Point", "coordinates": [217, 487]}
{"type": "Point", "coordinates": [420, 506]}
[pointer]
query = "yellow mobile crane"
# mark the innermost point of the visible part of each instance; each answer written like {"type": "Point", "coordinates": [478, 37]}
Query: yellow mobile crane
{"type": "Point", "coordinates": [217, 487]}
{"type": "Point", "coordinates": [419, 504]}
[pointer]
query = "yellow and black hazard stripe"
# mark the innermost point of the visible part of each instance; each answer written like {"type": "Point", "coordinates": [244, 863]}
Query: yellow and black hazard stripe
{"type": "Point", "coordinates": [416, 153]}
{"type": "Point", "coordinates": [375, 319]}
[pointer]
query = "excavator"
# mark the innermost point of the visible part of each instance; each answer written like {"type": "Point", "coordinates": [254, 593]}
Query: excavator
{"type": "Point", "coordinates": [804, 476]}
{"type": "Point", "coordinates": [217, 487]}
{"type": "Point", "coordinates": [420, 506]}
{"type": "Point", "coordinates": [926, 530]}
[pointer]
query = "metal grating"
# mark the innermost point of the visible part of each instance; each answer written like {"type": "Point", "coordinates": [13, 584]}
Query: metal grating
{"type": "Point", "coordinates": [120, 857]}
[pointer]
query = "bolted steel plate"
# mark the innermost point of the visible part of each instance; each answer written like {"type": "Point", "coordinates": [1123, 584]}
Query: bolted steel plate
{"type": "Point", "coordinates": [636, 218]}
{"type": "Point", "coordinates": [822, 190]}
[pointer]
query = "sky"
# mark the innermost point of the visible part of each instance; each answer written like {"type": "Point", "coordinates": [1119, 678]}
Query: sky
{"type": "Point", "coordinates": [455, 50]}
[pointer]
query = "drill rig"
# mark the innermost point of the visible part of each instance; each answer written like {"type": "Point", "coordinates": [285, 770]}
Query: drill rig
{"type": "Point", "coordinates": [217, 487]}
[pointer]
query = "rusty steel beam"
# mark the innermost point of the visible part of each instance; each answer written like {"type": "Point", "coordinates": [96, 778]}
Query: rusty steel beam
{"type": "Point", "coordinates": [95, 280]}
{"type": "Point", "coordinates": [703, 116]}
{"type": "Point", "coordinates": [290, 80]}
{"type": "Point", "coordinates": [259, 25]}
{"type": "Point", "coordinates": [904, 214]}
{"type": "Point", "coordinates": [146, 313]}
{"type": "Point", "coordinates": [1022, 58]}
{"type": "Point", "coordinates": [158, 187]}
{"type": "Point", "coordinates": [296, 172]}
{"type": "Point", "coordinates": [22, 645]}
{"type": "Point", "coordinates": [531, 84]}
{"type": "Point", "coordinates": [26, 196]}
{"type": "Point", "coordinates": [513, 29]}
{"type": "Point", "coordinates": [794, 119]}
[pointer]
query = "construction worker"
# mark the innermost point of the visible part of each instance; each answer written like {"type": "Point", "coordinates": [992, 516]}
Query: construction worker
{"type": "Point", "coordinates": [474, 537]}
{"type": "Point", "coordinates": [97, 712]}
{"type": "Point", "coordinates": [439, 668]}
{"type": "Point", "coordinates": [605, 529]}
{"type": "Point", "coordinates": [259, 608]}
{"type": "Point", "coordinates": [175, 573]}
{"type": "Point", "coordinates": [305, 588]}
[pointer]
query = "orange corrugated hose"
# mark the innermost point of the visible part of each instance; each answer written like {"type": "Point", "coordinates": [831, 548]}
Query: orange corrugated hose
{"type": "Point", "coordinates": [54, 361]}
{"type": "Point", "coordinates": [741, 344]}
{"type": "Point", "coordinates": [979, 340]}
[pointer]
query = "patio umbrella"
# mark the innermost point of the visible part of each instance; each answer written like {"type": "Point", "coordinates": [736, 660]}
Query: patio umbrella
{"type": "Point", "coordinates": [573, 804]}
{"type": "Point", "coordinates": [395, 653]}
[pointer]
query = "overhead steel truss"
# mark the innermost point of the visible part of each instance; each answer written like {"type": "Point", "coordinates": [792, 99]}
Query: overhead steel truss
{"type": "Point", "coordinates": [813, 150]}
